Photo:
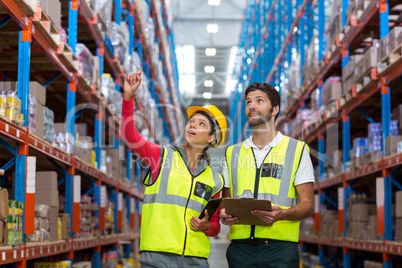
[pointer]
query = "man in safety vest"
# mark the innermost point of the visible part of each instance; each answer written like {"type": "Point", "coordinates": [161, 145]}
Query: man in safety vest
{"type": "Point", "coordinates": [273, 167]}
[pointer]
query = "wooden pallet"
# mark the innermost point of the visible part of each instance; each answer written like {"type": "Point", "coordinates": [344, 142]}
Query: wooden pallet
{"type": "Point", "coordinates": [46, 27]}
{"type": "Point", "coordinates": [366, 6]}
{"type": "Point", "coordinates": [14, 123]}
{"type": "Point", "coordinates": [369, 78]}
{"type": "Point", "coordinates": [350, 25]}
{"type": "Point", "coordinates": [68, 57]}
{"type": "Point", "coordinates": [393, 59]}
{"type": "Point", "coordinates": [331, 110]}
{"type": "Point", "coordinates": [85, 82]}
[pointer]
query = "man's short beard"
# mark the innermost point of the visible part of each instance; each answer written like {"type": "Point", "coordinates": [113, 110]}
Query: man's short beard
{"type": "Point", "coordinates": [261, 120]}
{"type": "Point", "coordinates": [256, 122]}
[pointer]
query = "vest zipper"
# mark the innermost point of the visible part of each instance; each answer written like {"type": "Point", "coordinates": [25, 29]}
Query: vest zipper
{"type": "Point", "coordinates": [257, 182]}
{"type": "Point", "coordinates": [185, 211]}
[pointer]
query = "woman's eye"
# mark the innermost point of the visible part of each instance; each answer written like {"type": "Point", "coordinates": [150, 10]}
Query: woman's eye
{"type": "Point", "coordinates": [259, 100]}
{"type": "Point", "coordinates": [202, 124]}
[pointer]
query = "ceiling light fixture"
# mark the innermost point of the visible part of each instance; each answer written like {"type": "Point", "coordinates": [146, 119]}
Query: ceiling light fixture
{"type": "Point", "coordinates": [212, 28]}
{"type": "Point", "coordinates": [208, 83]}
{"type": "Point", "coordinates": [214, 2]}
{"type": "Point", "coordinates": [209, 69]}
{"type": "Point", "coordinates": [207, 95]}
{"type": "Point", "coordinates": [210, 52]}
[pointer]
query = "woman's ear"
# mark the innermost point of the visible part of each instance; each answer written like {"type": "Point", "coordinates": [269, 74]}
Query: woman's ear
{"type": "Point", "coordinates": [211, 138]}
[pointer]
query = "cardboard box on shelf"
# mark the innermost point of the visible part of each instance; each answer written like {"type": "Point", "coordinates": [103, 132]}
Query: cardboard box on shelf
{"type": "Point", "coordinates": [83, 148]}
{"type": "Point", "coordinates": [47, 197]}
{"type": "Point", "coordinates": [53, 232]}
{"type": "Point", "coordinates": [397, 115]}
{"type": "Point", "coordinates": [391, 144]}
{"type": "Point", "coordinates": [360, 212]}
{"type": "Point", "coordinates": [372, 228]}
{"type": "Point", "coordinates": [3, 203]}
{"type": "Point", "coordinates": [332, 90]}
{"type": "Point", "coordinates": [38, 91]}
{"type": "Point", "coordinates": [393, 37]}
{"type": "Point", "coordinates": [368, 61]}
{"type": "Point", "coordinates": [96, 79]}
{"type": "Point", "coordinates": [398, 229]}
{"type": "Point", "coordinates": [54, 12]}
{"type": "Point", "coordinates": [59, 127]}
{"type": "Point", "coordinates": [46, 180]}
{"type": "Point", "coordinates": [53, 215]}
{"type": "Point", "coordinates": [3, 233]}
{"type": "Point", "coordinates": [113, 155]}
{"type": "Point", "coordinates": [398, 204]}
{"type": "Point", "coordinates": [65, 226]}
{"type": "Point", "coordinates": [373, 157]}
{"type": "Point", "coordinates": [373, 264]}
{"type": "Point", "coordinates": [81, 130]}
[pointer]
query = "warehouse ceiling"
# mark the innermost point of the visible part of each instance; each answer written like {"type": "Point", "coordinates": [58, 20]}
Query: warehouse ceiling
{"type": "Point", "coordinates": [199, 86]}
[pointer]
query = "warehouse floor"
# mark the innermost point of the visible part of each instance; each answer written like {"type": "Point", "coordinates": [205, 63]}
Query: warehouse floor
{"type": "Point", "coordinates": [217, 257]}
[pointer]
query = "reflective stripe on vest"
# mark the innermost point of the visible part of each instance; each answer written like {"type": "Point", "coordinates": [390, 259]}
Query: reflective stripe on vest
{"type": "Point", "coordinates": [164, 198]}
{"type": "Point", "coordinates": [169, 204]}
{"type": "Point", "coordinates": [272, 181]}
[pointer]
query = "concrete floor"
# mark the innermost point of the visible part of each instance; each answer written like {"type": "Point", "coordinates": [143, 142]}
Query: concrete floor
{"type": "Point", "coordinates": [217, 256]}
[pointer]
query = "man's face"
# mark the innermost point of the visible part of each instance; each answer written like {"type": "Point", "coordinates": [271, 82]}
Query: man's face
{"type": "Point", "coordinates": [258, 108]}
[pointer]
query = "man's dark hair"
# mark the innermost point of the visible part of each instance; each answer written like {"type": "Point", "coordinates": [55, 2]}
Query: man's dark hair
{"type": "Point", "coordinates": [272, 93]}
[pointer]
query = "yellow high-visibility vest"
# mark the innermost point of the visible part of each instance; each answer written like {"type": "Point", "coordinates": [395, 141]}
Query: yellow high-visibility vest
{"type": "Point", "coordinates": [170, 203]}
{"type": "Point", "coordinates": [272, 181]}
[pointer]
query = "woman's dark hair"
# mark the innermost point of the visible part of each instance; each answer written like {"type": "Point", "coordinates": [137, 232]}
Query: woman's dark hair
{"type": "Point", "coordinates": [272, 93]}
{"type": "Point", "coordinates": [212, 131]}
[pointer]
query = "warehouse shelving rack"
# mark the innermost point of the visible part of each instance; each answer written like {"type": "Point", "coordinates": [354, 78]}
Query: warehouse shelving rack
{"type": "Point", "coordinates": [266, 45]}
{"type": "Point", "coordinates": [64, 63]}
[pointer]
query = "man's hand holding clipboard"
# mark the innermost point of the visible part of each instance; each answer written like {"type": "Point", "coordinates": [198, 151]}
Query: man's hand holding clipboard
{"type": "Point", "coordinates": [249, 212]}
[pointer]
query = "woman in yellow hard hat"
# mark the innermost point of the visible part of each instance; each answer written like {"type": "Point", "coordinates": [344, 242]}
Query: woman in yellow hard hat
{"type": "Point", "coordinates": [179, 184]}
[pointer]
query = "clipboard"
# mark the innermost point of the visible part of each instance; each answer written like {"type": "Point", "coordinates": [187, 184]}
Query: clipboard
{"type": "Point", "coordinates": [211, 207]}
{"type": "Point", "coordinates": [242, 207]}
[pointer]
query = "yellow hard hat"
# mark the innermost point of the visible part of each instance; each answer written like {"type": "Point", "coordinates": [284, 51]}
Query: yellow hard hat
{"type": "Point", "coordinates": [219, 118]}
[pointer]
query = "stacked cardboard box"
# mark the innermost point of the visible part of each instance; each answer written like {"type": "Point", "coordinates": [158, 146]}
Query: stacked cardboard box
{"type": "Point", "coordinates": [364, 65]}
{"type": "Point", "coordinates": [4, 212]}
{"type": "Point", "coordinates": [391, 144]}
{"type": "Point", "coordinates": [83, 148]}
{"type": "Point", "coordinates": [359, 152]}
{"type": "Point", "coordinates": [329, 224]}
{"type": "Point", "coordinates": [349, 73]}
{"type": "Point", "coordinates": [42, 224]}
{"type": "Point", "coordinates": [48, 122]}
{"type": "Point", "coordinates": [397, 115]}
{"type": "Point", "coordinates": [332, 90]}
{"type": "Point", "coordinates": [359, 211]}
{"type": "Point", "coordinates": [65, 224]}
{"type": "Point", "coordinates": [48, 194]}
{"type": "Point", "coordinates": [387, 45]}
{"type": "Point", "coordinates": [373, 264]}
{"type": "Point", "coordinates": [53, 10]}
{"type": "Point", "coordinates": [398, 215]}
{"type": "Point", "coordinates": [338, 161]}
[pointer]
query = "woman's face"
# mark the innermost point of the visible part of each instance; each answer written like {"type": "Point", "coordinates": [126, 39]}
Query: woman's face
{"type": "Point", "coordinates": [197, 131]}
